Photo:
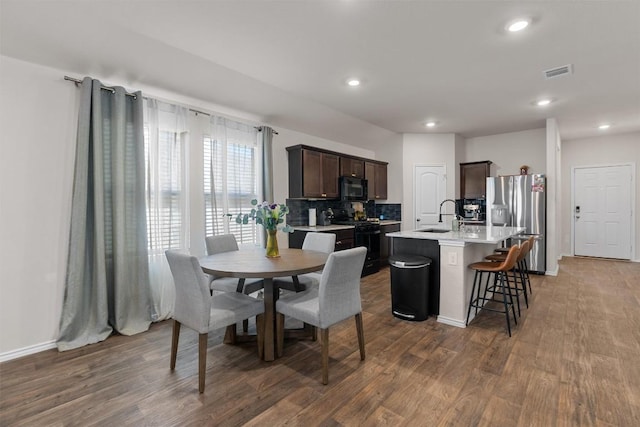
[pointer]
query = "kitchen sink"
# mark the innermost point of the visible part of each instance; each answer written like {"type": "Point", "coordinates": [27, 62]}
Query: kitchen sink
{"type": "Point", "coordinates": [433, 230]}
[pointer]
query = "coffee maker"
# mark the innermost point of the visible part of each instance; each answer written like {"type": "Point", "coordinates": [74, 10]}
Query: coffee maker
{"type": "Point", "coordinates": [473, 210]}
{"type": "Point", "coordinates": [325, 217]}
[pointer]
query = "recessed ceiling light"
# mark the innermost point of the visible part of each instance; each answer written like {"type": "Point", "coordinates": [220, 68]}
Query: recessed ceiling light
{"type": "Point", "coordinates": [353, 82]}
{"type": "Point", "coordinates": [518, 25]}
{"type": "Point", "coordinates": [430, 124]}
{"type": "Point", "coordinates": [543, 102]}
{"type": "Point", "coordinates": [604, 126]}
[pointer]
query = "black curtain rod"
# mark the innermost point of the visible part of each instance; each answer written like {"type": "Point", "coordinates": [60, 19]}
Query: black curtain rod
{"type": "Point", "coordinates": [112, 90]}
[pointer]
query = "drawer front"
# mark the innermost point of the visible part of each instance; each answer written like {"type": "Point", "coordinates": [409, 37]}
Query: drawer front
{"type": "Point", "coordinates": [342, 244]}
{"type": "Point", "coordinates": [344, 239]}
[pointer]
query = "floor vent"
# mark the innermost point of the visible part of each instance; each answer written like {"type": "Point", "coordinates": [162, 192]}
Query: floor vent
{"type": "Point", "coordinates": [559, 71]}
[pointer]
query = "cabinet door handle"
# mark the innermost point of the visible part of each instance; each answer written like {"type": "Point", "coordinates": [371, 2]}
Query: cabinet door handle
{"type": "Point", "coordinates": [339, 242]}
{"type": "Point", "coordinates": [324, 194]}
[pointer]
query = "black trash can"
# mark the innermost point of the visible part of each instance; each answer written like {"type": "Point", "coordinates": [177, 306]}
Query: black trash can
{"type": "Point", "coordinates": [410, 286]}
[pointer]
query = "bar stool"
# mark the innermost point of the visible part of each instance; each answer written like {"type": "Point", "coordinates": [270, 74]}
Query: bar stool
{"type": "Point", "coordinates": [500, 286]}
{"type": "Point", "coordinates": [518, 268]}
{"type": "Point", "coordinates": [523, 265]}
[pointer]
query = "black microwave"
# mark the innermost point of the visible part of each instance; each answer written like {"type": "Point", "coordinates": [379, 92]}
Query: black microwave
{"type": "Point", "coordinates": [353, 189]}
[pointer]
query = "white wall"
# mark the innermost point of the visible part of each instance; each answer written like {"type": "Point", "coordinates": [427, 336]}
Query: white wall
{"type": "Point", "coordinates": [38, 118]}
{"type": "Point", "coordinates": [598, 151]}
{"type": "Point", "coordinates": [426, 149]}
{"type": "Point", "coordinates": [554, 226]}
{"type": "Point", "coordinates": [509, 151]}
{"type": "Point", "coordinates": [460, 157]}
{"type": "Point", "coordinates": [38, 113]}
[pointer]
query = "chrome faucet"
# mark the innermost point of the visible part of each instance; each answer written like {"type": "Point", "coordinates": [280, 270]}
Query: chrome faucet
{"type": "Point", "coordinates": [454, 209]}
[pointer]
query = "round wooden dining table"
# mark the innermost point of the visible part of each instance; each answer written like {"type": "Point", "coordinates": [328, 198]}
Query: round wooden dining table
{"type": "Point", "coordinates": [252, 263]}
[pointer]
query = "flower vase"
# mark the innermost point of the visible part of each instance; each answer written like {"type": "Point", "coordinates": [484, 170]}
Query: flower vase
{"type": "Point", "coordinates": [272, 244]}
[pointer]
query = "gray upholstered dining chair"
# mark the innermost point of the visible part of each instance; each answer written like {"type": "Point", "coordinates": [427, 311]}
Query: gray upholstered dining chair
{"type": "Point", "coordinates": [336, 298]}
{"type": "Point", "coordinates": [227, 243]}
{"type": "Point", "coordinates": [321, 242]}
{"type": "Point", "coordinates": [197, 309]}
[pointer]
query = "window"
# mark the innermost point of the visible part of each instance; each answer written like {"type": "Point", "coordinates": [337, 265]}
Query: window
{"type": "Point", "coordinates": [165, 177]}
{"type": "Point", "coordinates": [230, 178]}
{"type": "Point", "coordinates": [164, 191]}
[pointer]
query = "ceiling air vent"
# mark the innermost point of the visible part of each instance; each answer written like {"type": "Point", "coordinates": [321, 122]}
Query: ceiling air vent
{"type": "Point", "coordinates": [559, 71]}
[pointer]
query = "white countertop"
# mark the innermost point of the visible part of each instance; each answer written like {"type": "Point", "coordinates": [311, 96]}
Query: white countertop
{"type": "Point", "coordinates": [389, 222]}
{"type": "Point", "coordinates": [471, 234]}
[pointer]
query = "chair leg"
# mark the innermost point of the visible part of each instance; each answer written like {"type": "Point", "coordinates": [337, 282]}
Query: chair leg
{"type": "Point", "coordinates": [245, 325]}
{"type": "Point", "coordinates": [230, 335]}
{"type": "Point", "coordinates": [484, 294]}
{"type": "Point", "coordinates": [324, 338]}
{"type": "Point", "coordinates": [523, 281]}
{"type": "Point", "coordinates": [515, 289]}
{"type": "Point", "coordinates": [202, 360]}
{"type": "Point", "coordinates": [174, 344]}
{"type": "Point", "coordinates": [279, 334]}
{"type": "Point", "coordinates": [504, 300]}
{"type": "Point", "coordinates": [475, 279]}
{"type": "Point", "coordinates": [260, 334]}
{"type": "Point", "coordinates": [311, 330]}
{"type": "Point", "coordinates": [360, 330]}
{"type": "Point", "coordinates": [508, 288]}
{"type": "Point", "coordinates": [526, 270]}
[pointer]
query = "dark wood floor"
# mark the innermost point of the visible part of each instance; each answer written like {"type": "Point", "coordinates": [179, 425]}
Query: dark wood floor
{"type": "Point", "coordinates": [573, 360]}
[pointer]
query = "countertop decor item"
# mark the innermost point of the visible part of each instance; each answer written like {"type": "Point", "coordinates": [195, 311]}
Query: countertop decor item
{"type": "Point", "coordinates": [269, 215]}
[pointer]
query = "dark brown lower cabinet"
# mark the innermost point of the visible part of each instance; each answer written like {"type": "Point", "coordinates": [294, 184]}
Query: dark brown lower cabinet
{"type": "Point", "coordinates": [345, 239]}
{"type": "Point", "coordinates": [385, 242]}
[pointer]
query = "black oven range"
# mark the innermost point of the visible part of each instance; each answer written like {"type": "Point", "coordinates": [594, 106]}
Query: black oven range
{"type": "Point", "coordinates": [367, 234]}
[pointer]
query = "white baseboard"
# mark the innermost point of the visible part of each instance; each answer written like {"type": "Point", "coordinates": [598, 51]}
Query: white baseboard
{"type": "Point", "coordinates": [552, 272]}
{"type": "Point", "coordinates": [25, 351]}
{"type": "Point", "coordinates": [452, 322]}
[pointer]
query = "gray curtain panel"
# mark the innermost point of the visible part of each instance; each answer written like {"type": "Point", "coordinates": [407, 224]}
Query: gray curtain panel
{"type": "Point", "coordinates": [107, 282]}
{"type": "Point", "coordinates": [266, 134]}
{"type": "Point", "coordinates": [266, 140]}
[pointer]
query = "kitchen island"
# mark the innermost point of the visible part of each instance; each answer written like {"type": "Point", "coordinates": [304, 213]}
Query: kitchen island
{"type": "Point", "coordinates": [451, 252]}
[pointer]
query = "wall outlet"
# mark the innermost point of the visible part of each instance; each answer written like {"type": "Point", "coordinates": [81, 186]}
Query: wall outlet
{"type": "Point", "coordinates": [453, 258]}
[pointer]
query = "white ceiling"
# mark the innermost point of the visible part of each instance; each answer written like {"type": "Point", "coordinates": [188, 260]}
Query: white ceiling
{"type": "Point", "coordinates": [287, 61]}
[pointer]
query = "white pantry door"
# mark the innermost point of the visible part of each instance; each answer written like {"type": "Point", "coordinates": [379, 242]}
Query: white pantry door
{"type": "Point", "coordinates": [430, 189]}
{"type": "Point", "coordinates": [602, 211]}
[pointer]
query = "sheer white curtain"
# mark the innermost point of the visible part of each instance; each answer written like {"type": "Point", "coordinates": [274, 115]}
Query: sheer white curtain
{"type": "Point", "coordinates": [231, 170]}
{"type": "Point", "coordinates": [166, 140]}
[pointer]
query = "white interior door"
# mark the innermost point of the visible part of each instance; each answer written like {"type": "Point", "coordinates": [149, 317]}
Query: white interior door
{"type": "Point", "coordinates": [602, 211]}
{"type": "Point", "coordinates": [430, 189]}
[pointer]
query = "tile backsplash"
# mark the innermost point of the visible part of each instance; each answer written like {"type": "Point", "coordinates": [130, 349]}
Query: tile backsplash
{"type": "Point", "coordinates": [391, 211]}
{"type": "Point", "coordinates": [299, 209]}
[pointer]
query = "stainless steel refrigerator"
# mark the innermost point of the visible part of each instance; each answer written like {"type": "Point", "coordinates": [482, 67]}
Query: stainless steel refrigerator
{"type": "Point", "coordinates": [520, 201]}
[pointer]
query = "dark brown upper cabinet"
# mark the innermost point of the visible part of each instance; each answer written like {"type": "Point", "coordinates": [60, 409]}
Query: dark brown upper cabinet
{"type": "Point", "coordinates": [376, 175]}
{"type": "Point", "coordinates": [313, 174]}
{"type": "Point", "coordinates": [473, 179]}
{"type": "Point", "coordinates": [351, 167]}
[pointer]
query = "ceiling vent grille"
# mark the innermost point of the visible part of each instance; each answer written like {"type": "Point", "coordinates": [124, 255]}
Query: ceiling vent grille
{"type": "Point", "coordinates": [558, 71]}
